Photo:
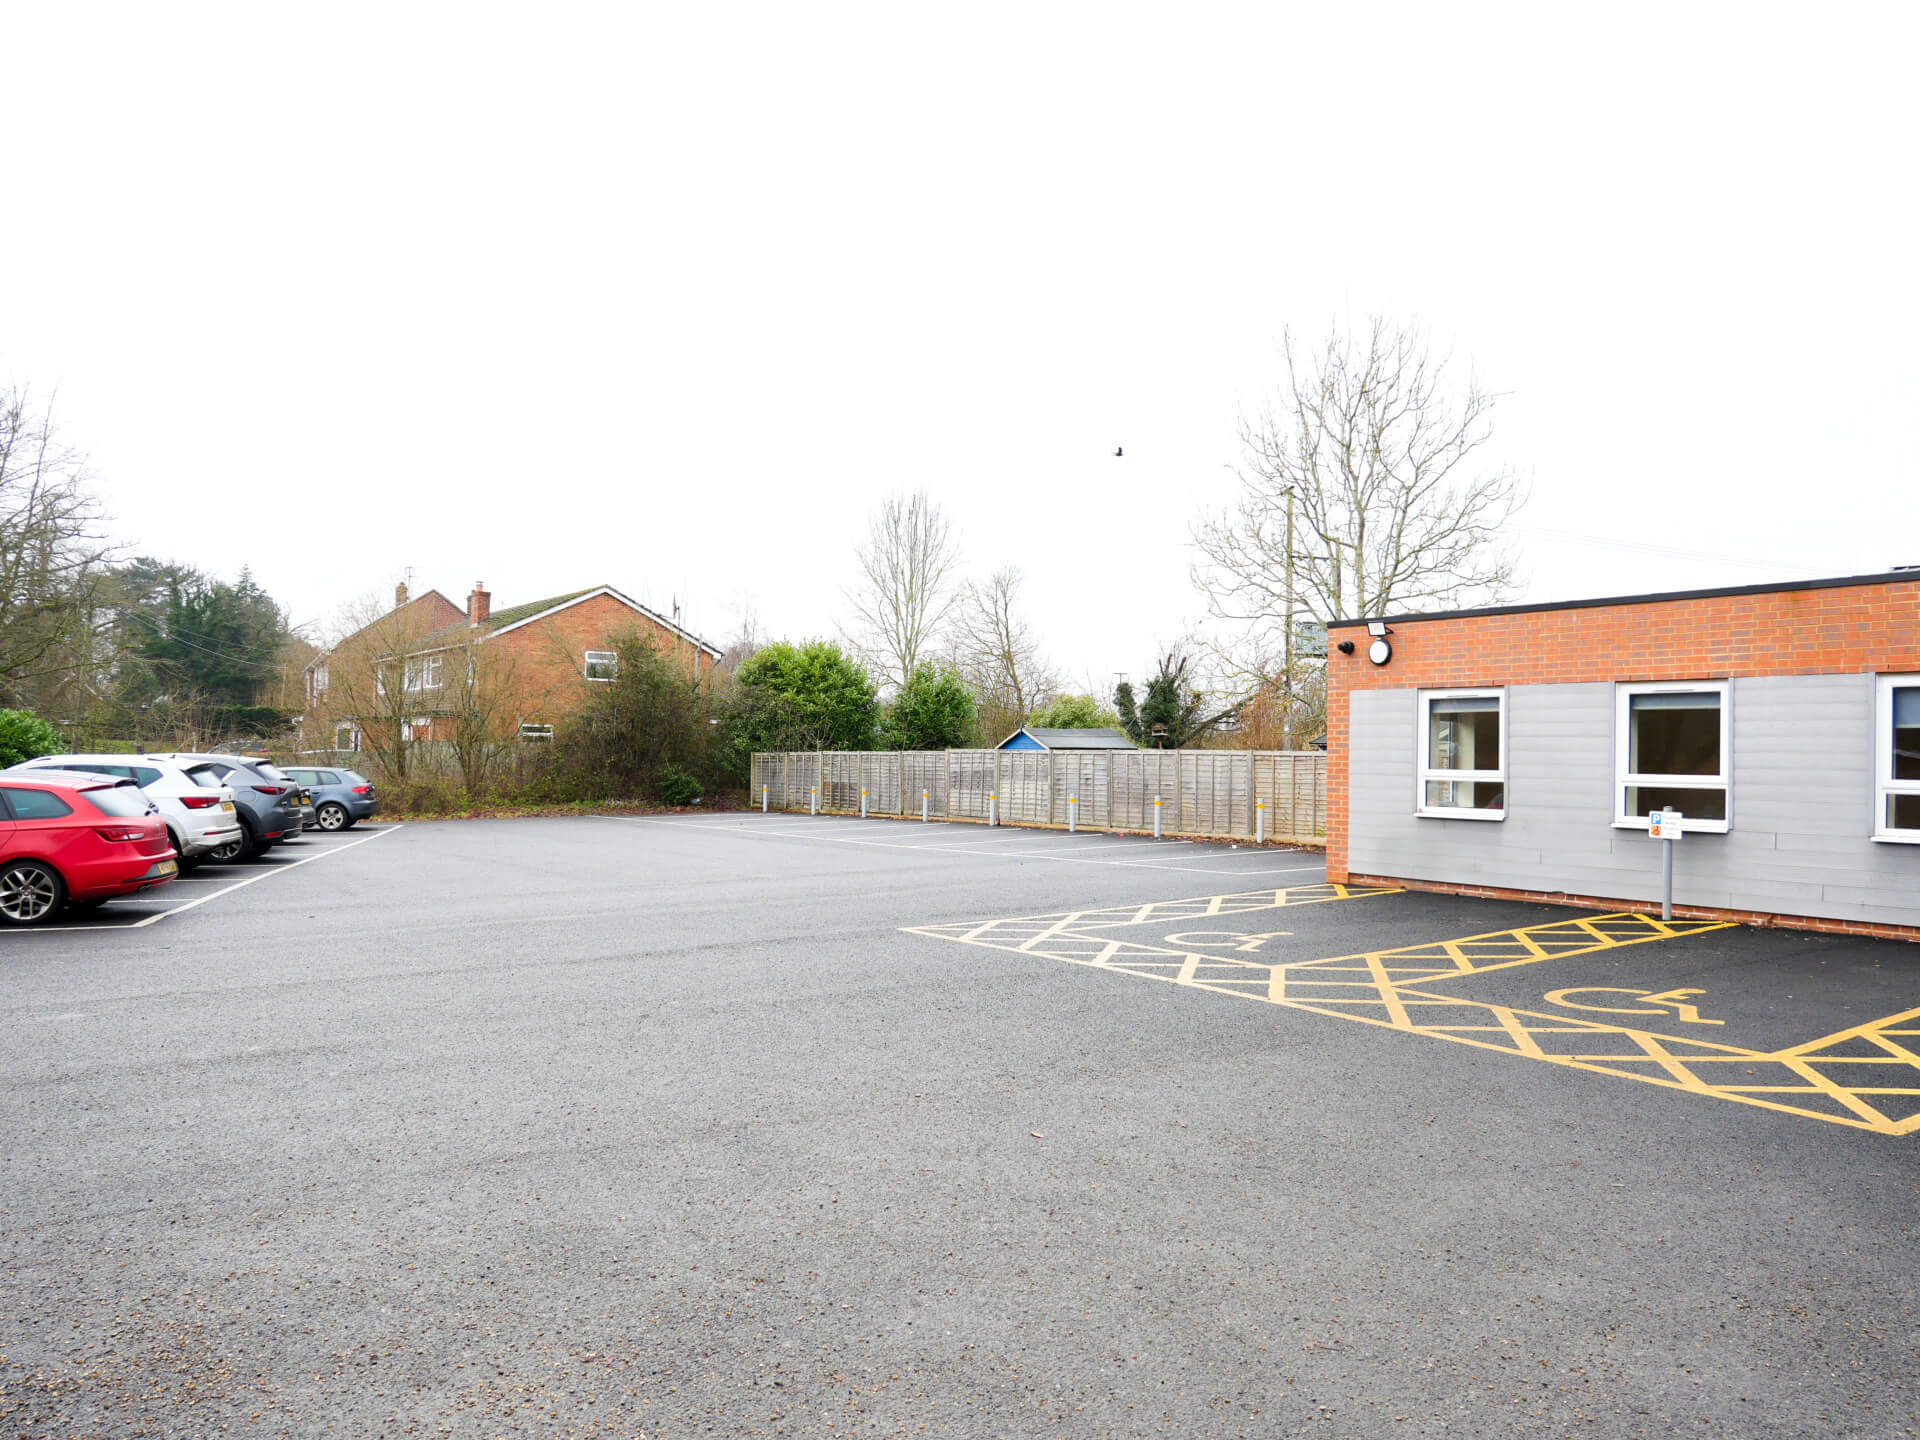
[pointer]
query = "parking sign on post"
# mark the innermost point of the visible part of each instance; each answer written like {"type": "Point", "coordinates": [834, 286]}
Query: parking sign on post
{"type": "Point", "coordinates": [1666, 826]}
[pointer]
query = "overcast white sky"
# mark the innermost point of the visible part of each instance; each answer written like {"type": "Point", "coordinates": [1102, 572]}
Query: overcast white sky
{"type": "Point", "coordinates": [668, 296]}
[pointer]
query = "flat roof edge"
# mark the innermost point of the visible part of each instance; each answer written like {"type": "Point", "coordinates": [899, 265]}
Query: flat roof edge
{"type": "Point", "coordinates": [1885, 577]}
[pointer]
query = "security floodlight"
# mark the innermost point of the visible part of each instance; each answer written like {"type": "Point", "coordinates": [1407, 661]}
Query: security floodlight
{"type": "Point", "coordinates": [1376, 627]}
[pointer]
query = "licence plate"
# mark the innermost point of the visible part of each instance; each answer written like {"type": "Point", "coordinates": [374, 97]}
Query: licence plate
{"type": "Point", "coordinates": [167, 867]}
{"type": "Point", "coordinates": [227, 805]}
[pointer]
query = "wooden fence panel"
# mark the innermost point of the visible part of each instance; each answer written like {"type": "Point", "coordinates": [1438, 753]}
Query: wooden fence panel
{"type": "Point", "coordinates": [1204, 792]}
{"type": "Point", "coordinates": [969, 782]}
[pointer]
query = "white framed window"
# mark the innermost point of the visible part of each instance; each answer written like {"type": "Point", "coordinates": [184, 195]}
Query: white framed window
{"type": "Point", "coordinates": [535, 730]}
{"type": "Point", "coordinates": [425, 672]}
{"type": "Point", "coordinates": [603, 665]}
{"type": "Point", "coordinates": [319, 679]}
{"type": "Point", "coordinates": [1463, 755]}
{"type": "Point", "coordinates": [1896, 759]}
{"type": "Point", "coordinates": [380, 683]}
{"type": "Point", "coordinates": [1673, 750]}
{"type": "Point", "coordinates": [346, 736]}
{"type": "Point", "coordinates": [420, 728]}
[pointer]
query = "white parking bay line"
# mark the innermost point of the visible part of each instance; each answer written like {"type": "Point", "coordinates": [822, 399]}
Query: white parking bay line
{"type": "Point", "coordinates": [255, 879]}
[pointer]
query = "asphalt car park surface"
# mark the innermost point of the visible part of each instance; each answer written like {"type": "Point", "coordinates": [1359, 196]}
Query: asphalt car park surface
{"type": "Point", "coordinates": [757, 1125]}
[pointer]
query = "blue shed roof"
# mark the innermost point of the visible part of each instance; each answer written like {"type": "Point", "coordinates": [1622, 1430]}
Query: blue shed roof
{"type": "Point", "coordinates": [1028, 737]}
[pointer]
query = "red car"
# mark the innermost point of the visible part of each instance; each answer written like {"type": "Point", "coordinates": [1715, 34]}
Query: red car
{"type": "Point", "coordinates": [72, 839]}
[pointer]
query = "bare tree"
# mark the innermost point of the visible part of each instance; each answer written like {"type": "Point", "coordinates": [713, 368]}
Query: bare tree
{"type": "Point", "coordinates": [52, 555]}
{"type": "Point", "coordinates": [996, 654]}
{"type": "Point", "coordinates": [1359, 496]}
{"type": "Point", "coordinates": [906, 566]}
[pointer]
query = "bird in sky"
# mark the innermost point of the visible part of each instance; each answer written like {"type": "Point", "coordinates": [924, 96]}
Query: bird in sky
{"type": "Point", "coordinates": [1119, 449]}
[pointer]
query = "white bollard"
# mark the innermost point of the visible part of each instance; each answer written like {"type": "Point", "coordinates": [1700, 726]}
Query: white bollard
{"type": "Point", "coordinates": [1260, 822]}
{"type": "Point", "coordinates": [813, 799]}
{"type": "Point", "coordinates": [763, 799]}
{"type": "Point", "coordinates": [863, 802]}
{"type": "Point", "coordinates": [1156, 817]}
{"type": "Point", "coordinates": [993, 811]}
{"type": "Point", "coordinates": [926, 796]}
{"type": "Point", "coordinates": [1073, 812]}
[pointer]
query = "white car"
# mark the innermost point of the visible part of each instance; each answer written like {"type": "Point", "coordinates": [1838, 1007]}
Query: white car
{"type": "Point", "coordinates": [191, 797]}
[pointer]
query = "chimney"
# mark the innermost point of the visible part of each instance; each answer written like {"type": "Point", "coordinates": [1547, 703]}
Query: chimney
{"type": "Point", "coordinates": [479, 604]}
{"type": "Point", "coordinates": [399, 594]}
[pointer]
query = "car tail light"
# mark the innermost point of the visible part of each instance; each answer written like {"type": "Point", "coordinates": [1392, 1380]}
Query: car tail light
{"type": "Point", "coordinates": [199, 802]}
{"type": "Point", "coordinates": [363, 789]}
{"type": "Point", "coordinates": [271, 789]}
{"type": "Point", "coordinates": [120, 832]}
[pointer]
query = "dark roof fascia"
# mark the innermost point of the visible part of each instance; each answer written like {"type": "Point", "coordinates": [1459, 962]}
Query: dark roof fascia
{"type": "Point", "coordinates": [1778, 587]}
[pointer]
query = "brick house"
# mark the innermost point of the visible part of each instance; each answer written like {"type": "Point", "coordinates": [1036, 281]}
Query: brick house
{"type": "Point", "coordinates": [1518, 751]}
{"type": "Point", "coordinates": [428, 670]}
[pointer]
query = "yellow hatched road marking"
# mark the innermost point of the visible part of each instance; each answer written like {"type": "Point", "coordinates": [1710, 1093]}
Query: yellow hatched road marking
{"type": "Point", "coordinates": [1384, 988]}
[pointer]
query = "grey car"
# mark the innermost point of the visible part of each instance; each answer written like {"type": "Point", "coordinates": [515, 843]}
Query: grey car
{"type": "Point", "coordinates": [269, 801]}
{"type": "Point", "coordinates": [341, 798]}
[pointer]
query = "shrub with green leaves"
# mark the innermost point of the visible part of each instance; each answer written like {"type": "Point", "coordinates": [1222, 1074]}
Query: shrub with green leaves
{"type": "Point", "coordinates": [933, 712]}
{"type": "Point", "coordinates": [676, 786]}
{"type": "Point", "coordinates": [25, 736]}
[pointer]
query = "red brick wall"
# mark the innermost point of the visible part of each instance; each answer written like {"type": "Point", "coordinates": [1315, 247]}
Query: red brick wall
{"type": "Point", "coordinates": [1847, 629]}
{"type": "Point", "coordinates": [549, 656]}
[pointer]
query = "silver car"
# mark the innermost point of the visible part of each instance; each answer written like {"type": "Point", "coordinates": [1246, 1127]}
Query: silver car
{"type": "Point", "coordinates": [269, 802]}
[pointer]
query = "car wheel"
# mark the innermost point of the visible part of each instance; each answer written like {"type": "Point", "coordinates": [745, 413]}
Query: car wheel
{"type": "Point", "coordinates": [180, 851]}
{"type": "Point", "coordinates": [30, 893]}
{"type": "Point", "coordinates": [252, 844]}
{"type": "Point", "coordinates": [232, 850]}
{"type": "Point", "coordinates": [333, 817]}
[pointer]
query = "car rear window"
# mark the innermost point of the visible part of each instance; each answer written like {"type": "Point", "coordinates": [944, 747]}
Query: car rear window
{"type": "Point", "coordinates": [145, 774]}
{"type": "Point", "coordinates": [207, 775]}
{"type": "Point", "coordinates": [272, 772]}
{"type": "Point", "coordinates": [124, 801]}
{"type": "Point", "coordinates": [37, 805]}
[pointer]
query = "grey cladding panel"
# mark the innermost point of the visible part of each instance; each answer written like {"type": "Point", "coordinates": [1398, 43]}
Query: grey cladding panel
{"type": "Point", "coordinates": [1802, 802]}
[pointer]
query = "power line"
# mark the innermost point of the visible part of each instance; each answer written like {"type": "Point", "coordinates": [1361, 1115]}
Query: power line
{"type": "Point", "coordinates": [205, 649]}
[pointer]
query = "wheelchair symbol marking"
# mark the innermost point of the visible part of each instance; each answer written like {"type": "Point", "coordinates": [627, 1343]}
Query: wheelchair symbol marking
{"type": "Point", "coordinates": [1229, 939]}
{"type": "Point", "coordinates": [1668, 1004]}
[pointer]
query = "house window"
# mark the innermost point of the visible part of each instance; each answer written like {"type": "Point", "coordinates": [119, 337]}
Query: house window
{"type": "Point", "coordinates": [1896, 763]}
{"type": "Point", "coordinates": [346, 737]}
{"type": "Point", "coordinates": [535, 730]}
{"type": "Point", "coordinates": [419, 728]}
{"type": "Point", "coordinates": [425, 672]}
{"type": "Point", "coordinates": [319, 679]}
{"type": "Point", "coordinates": [1672, 751]}
{"type": "Point", "coordinates": [603, 664]}
{"type": "Point", "coordinates": [1463, 755]}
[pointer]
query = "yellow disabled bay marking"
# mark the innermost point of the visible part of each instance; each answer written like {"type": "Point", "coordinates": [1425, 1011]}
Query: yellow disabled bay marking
{"type": "Point", "coordinates": [1867, 1076]}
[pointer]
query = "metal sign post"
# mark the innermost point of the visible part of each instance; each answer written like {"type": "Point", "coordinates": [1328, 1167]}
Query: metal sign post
{"type": "Point", "coordinates": [1666, 826]}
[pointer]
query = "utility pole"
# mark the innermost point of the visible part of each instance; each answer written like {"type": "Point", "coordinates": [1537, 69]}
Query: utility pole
{"type": "Point", "coordinates": [1286, 715]}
